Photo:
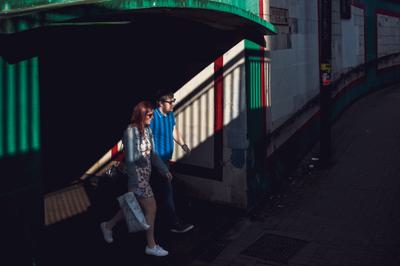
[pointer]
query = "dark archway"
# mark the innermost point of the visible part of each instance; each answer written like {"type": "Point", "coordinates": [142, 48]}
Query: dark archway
{"type": "Point", "coordinates": [92, 75]}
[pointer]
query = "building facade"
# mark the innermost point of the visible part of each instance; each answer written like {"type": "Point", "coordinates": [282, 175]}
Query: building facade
{"type": "Point", "coordinates": [246, 75]}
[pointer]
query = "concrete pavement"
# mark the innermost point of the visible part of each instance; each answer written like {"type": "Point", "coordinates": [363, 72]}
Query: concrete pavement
{"type": "Point", "coordinates": [78, 241]}
{"type": "Point", "coordinates": [346, 215]}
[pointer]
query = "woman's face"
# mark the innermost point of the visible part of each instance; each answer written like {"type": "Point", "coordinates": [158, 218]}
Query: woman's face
{"type": "Point", "coordinates": [149, 116]}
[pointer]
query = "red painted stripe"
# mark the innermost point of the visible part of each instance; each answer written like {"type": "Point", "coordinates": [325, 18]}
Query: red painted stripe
{"type": "Point", "coordinates": [263, 96]}
{"type": "Point", "coordinates": [219, 93]}
{"type": "Point", "coordinates": [262, 58]}
{"type": "Point", "coordinates": [114, 150]}
{"type": "Point", "coordinates": [262, 74]}
{"type": "Point", "coordinates": [261, 8]}
{"type": "Point", "coordinates": [387, 13]}
{"type": "Point", "coordinates": [262, 66]}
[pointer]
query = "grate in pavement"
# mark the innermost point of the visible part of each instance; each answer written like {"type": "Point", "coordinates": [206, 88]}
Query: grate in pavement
{"type": "Point", "coordinates": [63, 204]}
{"type": "Point", "coordinates": [271, 247]}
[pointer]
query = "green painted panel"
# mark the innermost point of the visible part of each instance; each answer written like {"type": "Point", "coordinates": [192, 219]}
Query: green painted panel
{"type": "Point", "coordinates": [249, 5]}
{"type": "Point", "coordinates": [247, 9]}
{"type": "Point", "coordinates": [11, 145]}
{"type": "Point", "coordinates": [19, 112]}
{"type": "Point", "coordinates": [23, 107]}
{"type": "Point", "coordinates": [256, 110]}
{"type": "Point", "coordinates": [35, 111]}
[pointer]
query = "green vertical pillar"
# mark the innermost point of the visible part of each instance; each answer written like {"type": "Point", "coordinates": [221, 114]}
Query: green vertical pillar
{"type": "Point", "coordinates": [23, 99]}
{"type": "Point", "coordinates": [257, 182]}
{"type": "Point", "coordinates": [253, 81]}
{"type": "Point", "coordinates": [35, 111]}
{"type": "Point", "coordinates": [23, 107]}
{"type": "Point", "coordinates": [10, 110]}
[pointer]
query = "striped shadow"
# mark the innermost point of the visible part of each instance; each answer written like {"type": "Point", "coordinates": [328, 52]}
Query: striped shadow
{"type": "Point", "coordinates": [65, 203]}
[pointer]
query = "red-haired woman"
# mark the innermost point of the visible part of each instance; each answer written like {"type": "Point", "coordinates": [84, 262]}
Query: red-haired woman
{"type": "Point", "coordinates": [139, 157]}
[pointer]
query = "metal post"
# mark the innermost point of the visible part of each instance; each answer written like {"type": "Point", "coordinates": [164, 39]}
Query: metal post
{"type": "Point", "coordinates": [325, 80]}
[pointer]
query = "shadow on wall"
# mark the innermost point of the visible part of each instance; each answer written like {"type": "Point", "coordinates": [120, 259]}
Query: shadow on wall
{"type": "Point", "coordinates": [234, 152]}
{"type": "Point", "coordinates": [90, 79]}
{"type": "Point", "coordinates": [226, 135]}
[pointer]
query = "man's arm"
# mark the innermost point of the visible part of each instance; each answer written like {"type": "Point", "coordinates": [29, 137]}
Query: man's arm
{"type": "Point", "coordinates": [178, 137]}
{"type": "Point", "coordinates": [180, 141]}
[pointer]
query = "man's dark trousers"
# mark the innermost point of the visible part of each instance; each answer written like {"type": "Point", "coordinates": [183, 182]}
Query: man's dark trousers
{"type": "Point", "coordinates": [164, 195]}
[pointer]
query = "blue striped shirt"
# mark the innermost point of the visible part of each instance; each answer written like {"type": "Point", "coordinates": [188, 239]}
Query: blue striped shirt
{"type": "Point", "coordinates": [163, 128]}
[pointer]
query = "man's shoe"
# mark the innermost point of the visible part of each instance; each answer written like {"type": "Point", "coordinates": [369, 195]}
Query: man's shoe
{"type": "Point", "coordinates": [107, 233]}
{"type": "Point", "coordinates": [181, 228]}
{"type": "Point", "coordinates": [156, 251]}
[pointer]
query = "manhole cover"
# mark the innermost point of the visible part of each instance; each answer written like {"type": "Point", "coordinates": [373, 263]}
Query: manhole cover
{"type": "Point", "coordinates": [275, 248]}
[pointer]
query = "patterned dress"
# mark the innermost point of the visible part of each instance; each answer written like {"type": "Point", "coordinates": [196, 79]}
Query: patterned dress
{"type": "Point", "coordinates": [143, 166]}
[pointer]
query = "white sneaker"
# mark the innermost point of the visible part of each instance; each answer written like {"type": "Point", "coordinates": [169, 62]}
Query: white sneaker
{"type": "Point", "coordinates": [107, 233]}
{"type": "Point", "coordinates": [156, 251]}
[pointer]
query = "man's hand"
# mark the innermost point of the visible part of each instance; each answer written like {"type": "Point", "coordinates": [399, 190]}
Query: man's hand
{"type": "Point", "coordinates": [186, 149]}
{"type": "Point", "coordinates": [168, 176]}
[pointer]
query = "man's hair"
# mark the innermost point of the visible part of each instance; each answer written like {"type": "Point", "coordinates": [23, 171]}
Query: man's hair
{"type": "Point", "coordinates": [162, 95]}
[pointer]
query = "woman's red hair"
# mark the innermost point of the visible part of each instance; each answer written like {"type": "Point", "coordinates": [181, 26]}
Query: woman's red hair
{"type": "Point", "coordinates": [139, 115]}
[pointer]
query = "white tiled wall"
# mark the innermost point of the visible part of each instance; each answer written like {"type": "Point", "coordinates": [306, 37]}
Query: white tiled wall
{"type": "Point", "coordinates": [195, 120]}
{"type": "Point", "coordinates": [295, 72]}
{"type": "Point", "coordinates": [337, 48]}
{"type": "Point", "coordinates": [352, 42]}
{"type": "Point", "coordinates": [388, 31]}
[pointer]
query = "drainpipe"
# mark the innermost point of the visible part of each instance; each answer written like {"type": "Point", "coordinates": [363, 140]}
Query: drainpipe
{"type": "Point", "coordinates": [325, 80]}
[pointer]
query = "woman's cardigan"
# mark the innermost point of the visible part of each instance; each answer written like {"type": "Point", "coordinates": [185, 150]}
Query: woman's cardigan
{"type": "Point", "coordinates": [133, 157]}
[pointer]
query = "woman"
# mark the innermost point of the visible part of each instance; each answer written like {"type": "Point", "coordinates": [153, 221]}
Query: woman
{"type": "Point", "coordinates": [139, 156]}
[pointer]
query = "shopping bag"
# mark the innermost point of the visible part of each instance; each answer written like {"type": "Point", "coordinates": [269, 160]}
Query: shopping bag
{"type": "Point", "coordinates": [134, 216]}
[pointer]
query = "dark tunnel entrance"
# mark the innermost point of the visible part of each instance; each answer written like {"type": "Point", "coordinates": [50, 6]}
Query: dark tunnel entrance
{"type": "Point", "coordinates": [92, 75]}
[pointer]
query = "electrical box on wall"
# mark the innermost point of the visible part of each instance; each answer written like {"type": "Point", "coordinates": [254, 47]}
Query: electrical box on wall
{"type": "Point", "coordinates": [345, 9]}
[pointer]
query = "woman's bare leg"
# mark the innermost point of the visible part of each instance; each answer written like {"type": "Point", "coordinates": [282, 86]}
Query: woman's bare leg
{"type": "Point", "coordinates": [149, 208]}
{"type": "Point", "coordinates": [117, 217]}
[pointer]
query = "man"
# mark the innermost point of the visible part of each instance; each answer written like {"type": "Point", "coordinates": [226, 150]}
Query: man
{"type": "Point", "coordinates": [165, 133]}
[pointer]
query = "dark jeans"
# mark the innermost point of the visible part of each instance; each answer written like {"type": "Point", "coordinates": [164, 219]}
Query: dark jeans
{"type": "Point", "coordinates": [164, 196]}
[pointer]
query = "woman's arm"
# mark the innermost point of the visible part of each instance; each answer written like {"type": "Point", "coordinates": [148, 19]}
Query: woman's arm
{"type": "Point", "coordinates": [159, 164]}
{"type": "Point", "coordinates": [131, 154]}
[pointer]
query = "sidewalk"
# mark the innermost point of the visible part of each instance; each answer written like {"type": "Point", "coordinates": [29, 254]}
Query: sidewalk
{"type": "Point", "coordinates": [346, 215]}
{"type": "Point", "coordinates": [78, 240]}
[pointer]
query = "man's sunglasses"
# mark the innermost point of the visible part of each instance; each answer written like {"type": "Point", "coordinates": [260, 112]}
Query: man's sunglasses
{"type": "Point", "coordinates": [170, 101]}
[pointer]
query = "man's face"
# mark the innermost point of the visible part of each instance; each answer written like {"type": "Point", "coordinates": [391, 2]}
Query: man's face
{"type": "Point", "coordinates": [167, 105]}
